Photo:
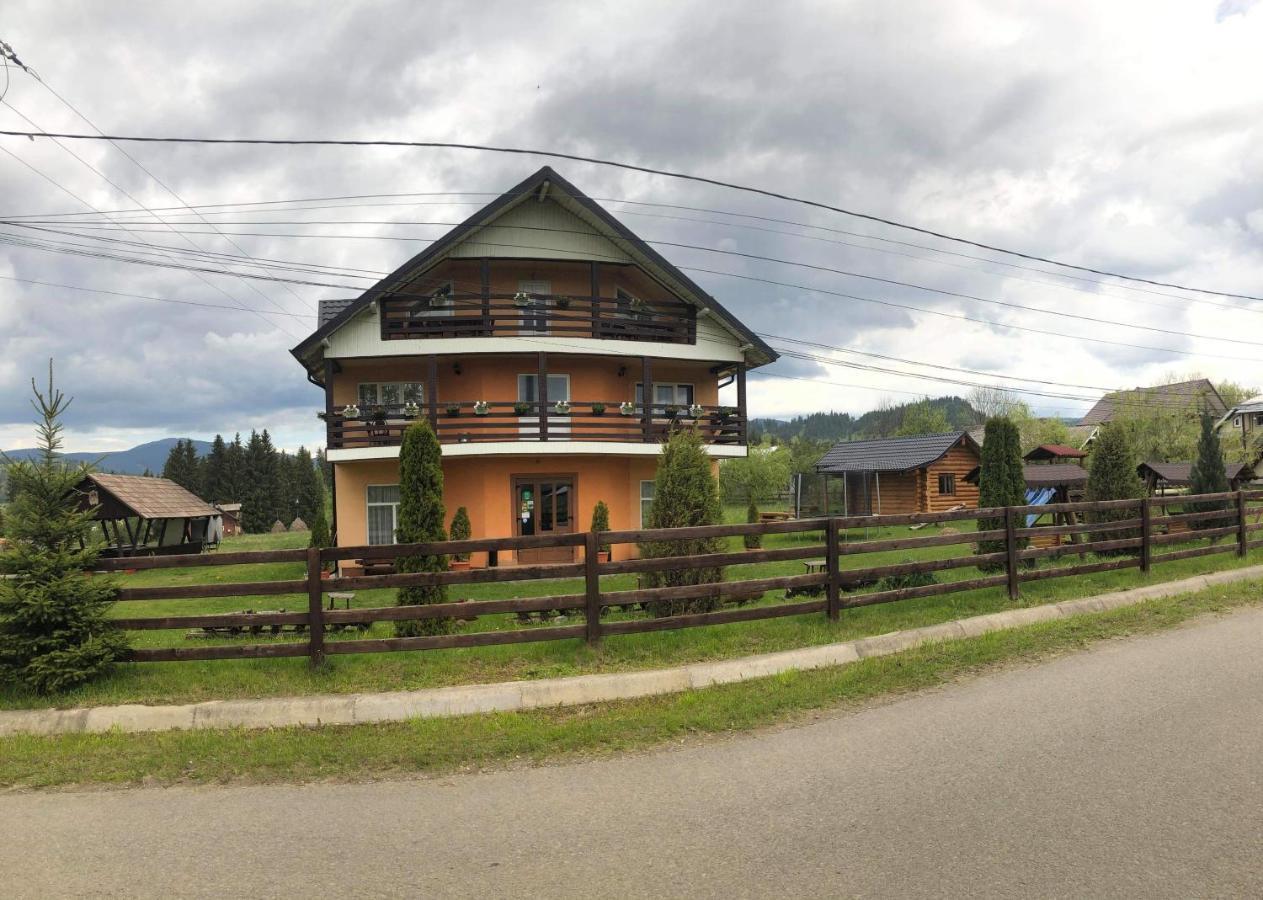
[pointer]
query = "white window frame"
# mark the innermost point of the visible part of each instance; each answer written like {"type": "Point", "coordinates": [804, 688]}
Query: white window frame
{"type": "Point", "coordinates": [557, 425]}
{"type": "Point", "coordinates": [677, 388]}
{"type": "Point", "coordinates": [538, 322]}
{"type": "Point", "coordinates": [377, 391]}
{"type": "Point", "coordinates": [644, 499]}
{"type": "Point", "coordinates": [394, 515]}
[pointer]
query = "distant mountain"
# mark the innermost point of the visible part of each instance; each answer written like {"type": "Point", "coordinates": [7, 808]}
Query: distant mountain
{"type": "Point", "coordinates": [834, 426]}
{"type": "Point", "coordinates": [151, 456]}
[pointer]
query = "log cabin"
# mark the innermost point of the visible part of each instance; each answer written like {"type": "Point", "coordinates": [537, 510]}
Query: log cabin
{"type": "Point", "coordinates": [902, 475]}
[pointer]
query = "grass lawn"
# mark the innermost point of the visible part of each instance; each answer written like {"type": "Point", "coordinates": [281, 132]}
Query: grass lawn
{"type": "Point", "coordinates": [221, 679]}
{"type": "Point", "coordinates": [445, 745]}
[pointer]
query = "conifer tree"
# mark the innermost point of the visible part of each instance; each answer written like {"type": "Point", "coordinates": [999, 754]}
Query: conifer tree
{"type": "Point", "coordinates": [54, 630]}
{"type": "Point", "coordinates": [752, 541]}
{"type": "Point", "coordinates": [601, 522]}
{"type": "Point", "coordinates": [686, 493]}
{"type": "Point", "coordinates": [461, 529]}
{"type": "Point", "coordinates": [308, 492]}
{"type": "Point", "coordinates": [1112, 476]}
{"type": "Point", "coordinates": [215, 487]}
{"type": "Point", "coordinates": [258, 497]}
{"type": "Point", "coordinates": [421, 517]}
{"type": "Point", "coordinates": [320, 536]}
{"type": "Point", "coordinates": [1209, 475]}
{"type": "Point", "coordinates": [1000, 480]}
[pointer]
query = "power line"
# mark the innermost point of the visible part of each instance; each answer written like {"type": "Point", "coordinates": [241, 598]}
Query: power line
{"type": "Point", "coordinates": [75, 287]}
{"type": "Point", "coordinates": [666, 173]}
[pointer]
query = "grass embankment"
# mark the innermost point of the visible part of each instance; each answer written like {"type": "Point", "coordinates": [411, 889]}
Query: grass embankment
{"type": "Point", "coordinates": [222, 679]}
{"type": "Point", "coordinates": [435, 746]}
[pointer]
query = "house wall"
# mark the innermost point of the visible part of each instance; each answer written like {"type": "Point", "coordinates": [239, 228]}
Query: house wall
{"type": "Point", "coordinates": [895, 493]}
{"type": "Point", "coordinates": [483, 485]}
{"type": "Point", "coordinates": [958, 461]}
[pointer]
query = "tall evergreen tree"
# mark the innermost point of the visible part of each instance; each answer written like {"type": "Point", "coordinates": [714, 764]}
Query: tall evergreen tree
{"type": "Point", "coordinates": [234, 471]}
{"type": "Point", "coordinates": [1112, 476]}
{"type": "Point", "coordinates": [258, 498]}
{"type": "Point", "coordinates": [320, 536]}
{"type": "Point", "coordinates": [1000, 481]}
{"type": "Point", "coordinates": [686, 493]}
{"type": "Point", "coordinates": [421, 517]}
{"type": "Point", "coordinates": [54, 626]}
{"type": "Point", "coordinates": [215, 487]}
{"type": "Point", "coordinates": [1208, 475]}
{"type": "Point", "coordinates": [308, 491]}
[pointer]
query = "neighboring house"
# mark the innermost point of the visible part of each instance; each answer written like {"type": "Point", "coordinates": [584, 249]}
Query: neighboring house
{"type": "Point", "coordinates": [230, 513]}
{"type": "Point", "coordinates": [1159, 477]}
{"type": "Point", "coordinates": [925, 473]}
{"type": "Point", "coordinates": [1244, 423]}
{"type": "Point", "coordinates": [1192, 397]}
{"type": "Point", "coordinates": [141, 515]}
{"type": "Point", "coordinates": [551, 350]}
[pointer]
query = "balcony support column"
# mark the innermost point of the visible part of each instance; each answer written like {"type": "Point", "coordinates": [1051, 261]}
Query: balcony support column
{"type": "Point", "coordinates": [541, 389]}
{"type": "Point", "coordinates": [741, 402]}
{"type": "Point", "coordinates": [432, 390]}
{"type": "Point", "coordinates": [646, 396]}
{"type": "Point", "coordinates": [330, 368]}
{"type": "Point", "coordinates": [596, 299]}
{"type": "Point", "coordinates": [486, 291]}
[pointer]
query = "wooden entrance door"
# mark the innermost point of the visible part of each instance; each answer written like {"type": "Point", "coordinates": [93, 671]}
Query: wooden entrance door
{"type": "Point", "coordinates": [544, 505]}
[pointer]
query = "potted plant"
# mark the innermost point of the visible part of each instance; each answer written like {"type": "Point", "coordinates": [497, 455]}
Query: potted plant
{"type": "Point", "coordinates": [563, 302]}
{"type": "Point", "coordinates": [727, 412]}
{"type": "Point", "coordinates": [521, 298]}
{"type": "Point", "coordinates": [379, 413]}
{"type": "Point", "coordinates": [453, 409]}
{"type": "Point", "coordinates": [412, 409]}
{"type": "Point", "coordinates": [481, 408]}
{"type": "Point", "coordinates": [522, 408]}
{"type": "Point", "coordinates": [670, 411]}
{"type": "Point", "coordinates": [601, 522]}
{"type": "Point", "coordinates": [460, 531]}
{"type": "Point", "coordinates": [350, 411]}
{"type": "Point", "coordinates": [628, 408]}
{"type": "Point", "coordinates": [598, 409]}
{"type": "Point", "coordinates": [562, 407]}
{"type": "Point", "coordinates": [697, 411]}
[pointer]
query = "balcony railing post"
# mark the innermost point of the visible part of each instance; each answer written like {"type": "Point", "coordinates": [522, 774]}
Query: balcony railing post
{"type": "Point", "coordinates": [743, 434]}
{"type": "Point", "coordinates": [646, 422]}
{"type": "Point", "coordinates": [541, 392]}
{"type": "Point", "coordinates": [432, 390]}
{"type": "Point", "coordinates": [595, 290]}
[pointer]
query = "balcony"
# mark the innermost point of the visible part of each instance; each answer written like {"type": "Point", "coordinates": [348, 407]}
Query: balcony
{"type": "Point", "coordinates": [520, 314]}
{"type": "Point", "coordinates": [468, 422]}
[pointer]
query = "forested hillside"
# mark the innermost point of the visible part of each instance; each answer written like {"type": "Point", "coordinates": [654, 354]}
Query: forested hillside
{"type": "Point", "coordinates": [884, 422]}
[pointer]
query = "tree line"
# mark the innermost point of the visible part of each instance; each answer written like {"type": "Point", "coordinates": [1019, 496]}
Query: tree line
{"type": "Point", "coordinates": [271, 485]}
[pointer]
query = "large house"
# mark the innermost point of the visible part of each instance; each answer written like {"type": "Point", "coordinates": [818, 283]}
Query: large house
{"type": "Point", "coordinates": [1245, 424]}
{"type": "Point", "coordinates": [551, 350]}
{"type": "Point", "coordinates": [1191, 397]}
{"type": "Point", "coordinates": [900, 475]}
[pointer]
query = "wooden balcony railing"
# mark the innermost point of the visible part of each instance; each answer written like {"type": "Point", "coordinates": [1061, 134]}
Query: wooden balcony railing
{"type": "Point", "coordinates": [475, 315]}
{"type": "Point", "coordinates": [460, 423]}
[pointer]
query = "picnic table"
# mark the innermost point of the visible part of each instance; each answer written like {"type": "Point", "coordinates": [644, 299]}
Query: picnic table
{"type": "Point", "coordinates": [775, 516]}
{"type": "Point", "coordinates": [813, 567]}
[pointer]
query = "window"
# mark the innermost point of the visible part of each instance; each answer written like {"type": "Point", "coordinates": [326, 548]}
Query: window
{"type": "Point", "coordinates": [947, 484]}
{"type": "Point", "coordinates": [535, 315]}
{"type": "Point", "coordinates": [1258, 418]}
{"type": "Point", "coordinates": [1236, 422]}
{"type": "Point", "coordinates": [394, 393]}
{"type": "Point", "coordinates": [667, 395]}
{"type": "Point", "coordinates": [646, 502]}
{"type": "Point", "coordinates": [383, 513]}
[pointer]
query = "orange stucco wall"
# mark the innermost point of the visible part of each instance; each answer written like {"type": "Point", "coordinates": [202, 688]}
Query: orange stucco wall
{"type": "Point", "coordinates": [483, 485]}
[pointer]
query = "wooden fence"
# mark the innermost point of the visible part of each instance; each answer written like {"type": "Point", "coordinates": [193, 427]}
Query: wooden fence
{"type": "Point", "coordinates": [1137, 535]}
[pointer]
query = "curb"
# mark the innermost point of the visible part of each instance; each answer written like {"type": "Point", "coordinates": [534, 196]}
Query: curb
{"type": "Point", "coordinates": [463, 700]}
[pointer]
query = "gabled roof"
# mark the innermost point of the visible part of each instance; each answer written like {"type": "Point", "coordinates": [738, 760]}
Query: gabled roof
{"type": "Point", "coordinates": [1054, 451]}
{"type": "Point", "coordinates": [1044, 475]}
{"type": "Point", "coordinates": [331, 317]}
{"type": "Point", "coordinates": [151, 498]}
{"type": "Point", "coordinates": [1253, 405]}
{"type": "Point", "coordinates": [899, 454]}
{"type": "Point", "coordinates": [1182, 394]}
{"type": "Point", "coordinates": [1181, 473]}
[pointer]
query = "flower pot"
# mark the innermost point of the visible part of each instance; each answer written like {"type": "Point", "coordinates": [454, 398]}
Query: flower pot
{"type": "Point", "coordinates": [458, 564]}
{"type": "Point", "coordinates": [602, 556]}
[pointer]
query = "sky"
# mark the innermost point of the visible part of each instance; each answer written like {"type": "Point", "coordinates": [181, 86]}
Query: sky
{"type": "Point", "coordinates": [1123, 136]}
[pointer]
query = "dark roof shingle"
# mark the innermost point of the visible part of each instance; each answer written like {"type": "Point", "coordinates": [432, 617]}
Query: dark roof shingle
{"type": "Point", "coordinates": [1181, 473]}
{"type": "Point", "coordinates": [1182, 394]}
{"type": "Point", "coordinates": [153, 498]}
{"type": "Point", "coordinates": [898, 454]}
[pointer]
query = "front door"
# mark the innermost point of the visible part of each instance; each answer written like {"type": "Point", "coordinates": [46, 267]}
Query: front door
{"type": "Point", "coordinates": [544, 505]}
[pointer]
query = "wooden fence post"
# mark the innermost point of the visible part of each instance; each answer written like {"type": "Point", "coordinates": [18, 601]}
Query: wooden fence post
{"type": "Point", "coordinates": [315, 609]}
{"type": "Point", "coordinates": [1242, 534]}
{"type": "Point", "coordinates": [1010, 547]}
{"type": "Point", "coordinates": [1146, 533]}
{"type": "Point", "coordinates": [832, 586]}
{"type": "Point", "coordinates": [592, 586]}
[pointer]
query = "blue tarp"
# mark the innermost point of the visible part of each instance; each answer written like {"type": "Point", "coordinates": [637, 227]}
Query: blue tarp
{"type": "Point", "coordinates": [1038, 497]}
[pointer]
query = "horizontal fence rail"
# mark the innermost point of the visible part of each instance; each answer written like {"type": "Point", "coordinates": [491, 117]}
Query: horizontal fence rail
{"type": "Point", "coordinates": [1006, 552]}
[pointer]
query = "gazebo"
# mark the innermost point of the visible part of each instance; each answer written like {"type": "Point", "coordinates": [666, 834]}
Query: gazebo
{"type": "Point", "coordinates": [146, 516]}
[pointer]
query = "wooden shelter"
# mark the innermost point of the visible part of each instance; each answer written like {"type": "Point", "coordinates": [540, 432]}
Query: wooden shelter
{"type": "Point", "coordinates": [1161, 478]}
{"type": "Point", "coordinates": [140, 515]}
{"type": "Point", "coordinates": [230, 513]}
{"type": "Point", "coordinates": [1054, 453]}
{"type": "Point", "coordinates": [922, 473]}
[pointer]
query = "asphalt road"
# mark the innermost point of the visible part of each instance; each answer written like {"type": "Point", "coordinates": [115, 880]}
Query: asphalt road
{"type": "Point", "coordinates": [1131, 770]}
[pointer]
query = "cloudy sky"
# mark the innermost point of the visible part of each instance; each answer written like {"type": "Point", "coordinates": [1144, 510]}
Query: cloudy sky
{"type": "Point", "coordinates": [1125, 136]}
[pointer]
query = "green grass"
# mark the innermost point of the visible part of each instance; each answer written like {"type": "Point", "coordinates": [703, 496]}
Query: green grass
{"type": "Point", "coordinates": [432, 746]}
{"type": "Point", "coordinates": [221, 679]}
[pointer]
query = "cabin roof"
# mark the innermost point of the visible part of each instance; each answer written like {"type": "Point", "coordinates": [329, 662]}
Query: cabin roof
{"type": "Point", "coordinates": [899, 454]}
{"type": "Point", "coordinates": [1181, 473]}
{"type": "Point", "coordinates": [335, 314]}
{"type": "Point", "coordinates": [1187, 394]}
{"type": "Point", "coordinates": [150, 498]}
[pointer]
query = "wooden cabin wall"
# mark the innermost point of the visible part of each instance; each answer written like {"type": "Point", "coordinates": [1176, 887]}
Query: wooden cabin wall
{"type": "Point", "coordinates": [898, 493]}
{"type": "Point", "coordinates": [958, 461]}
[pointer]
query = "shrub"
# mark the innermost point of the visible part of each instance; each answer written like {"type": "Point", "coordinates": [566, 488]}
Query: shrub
{"type": "Point", "coordinates": [601, 522]}
{"type": "Point", "coordinates": [1000, 482]}
{"type": "Point", "coordinates": [54, 628]}
{"type": "Point", "coordinates": [686, 493]}
{"type": "Point", "coordinates": [421, 517]}
{"type": "Point", "coordinates": [752, 541]}
{"type": "Point", "coordinates": [461, 530]}
{"type": "Point", "coordinates": [910, 580]}
{"type": "Point", "coordinates": [1208, 477]}
{"type": "Point", "coordinates": [1112, 476]}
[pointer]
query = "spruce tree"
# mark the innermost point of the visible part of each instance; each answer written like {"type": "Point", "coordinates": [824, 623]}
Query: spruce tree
{"type": "Point", "coordinates": [421, 516]}
{"type": "Point", "coordinates": [1112, 476]}
{"type": "Point", "coordinates": [234, 471]}
{"type": "Point", "coordinates": [258, 499]}
{"type": "Point", "coordinates": [1000, 481]}
{"type": "Point", "coordinates": [54, 629]}
{"type": "Point", "coordinates": [308, 493]}
{"type": "Point", "coordinates": [686, 493]}
{"type": "Point", "coordinates": [1209, 476]}
{"type": "Point", "coordinates": [601, 522]}
{"type": "Point", "coordinates": [215, 488]}
{"type": "Point", "coordinates": [320, 536]}
{"type": "Point", "coordinates": [752, 541]}
{"type": "Point", "coordinates": [461, 529]}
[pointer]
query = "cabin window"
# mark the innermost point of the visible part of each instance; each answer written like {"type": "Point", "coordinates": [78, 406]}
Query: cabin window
{"type": "Point", "coordinates": [390, 394]}
{"type": "Point", "coordinates": [664, 395]}
{"type": "Point", "coordinates": [1236, 422]}
{"type": "Point", "coordinates": [646, 502]}
{"type": "Point", "coordinates": [947, 484]}
{"type": "Point", "coordinates": [383, 513]}
{"type": "Point", "coordinates": [1258, 418]}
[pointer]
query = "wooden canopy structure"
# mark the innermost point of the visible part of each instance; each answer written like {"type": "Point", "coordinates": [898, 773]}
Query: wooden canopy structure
{"type": "Point", "coordinates": [1159, 477]}
{"type": "Point", "coordinates": [1053, 453]}
{"type": "Point", "coordinates": [140, 515]}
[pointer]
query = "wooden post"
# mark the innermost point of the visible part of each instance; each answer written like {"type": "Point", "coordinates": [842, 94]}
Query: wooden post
{"type": "Point", "coordinates": [541, 392]}
{"type": "Point", "coordinates": [592, 586]}
{"type": "Point", "coordinates": [1243, 535]}
{"type": "Point", "coordinates": [315, 609]}
{"type": "Point", "coordinates": [596, 299]}
{"type": "Point", "coordinates": [486, 292]}
{"type": "Point", "coordinates": [646, 377]}
{"type": "Point", "coordinates": [741, 403]}
{"type": "Point", "coordinates": [1010, 546]}
{"type": "Point", "coordinates": [833, 586]}
{"type": "Point", "coordinates": [1146, 534]}
{"type": "Point", "coordinates": [432, 391]}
